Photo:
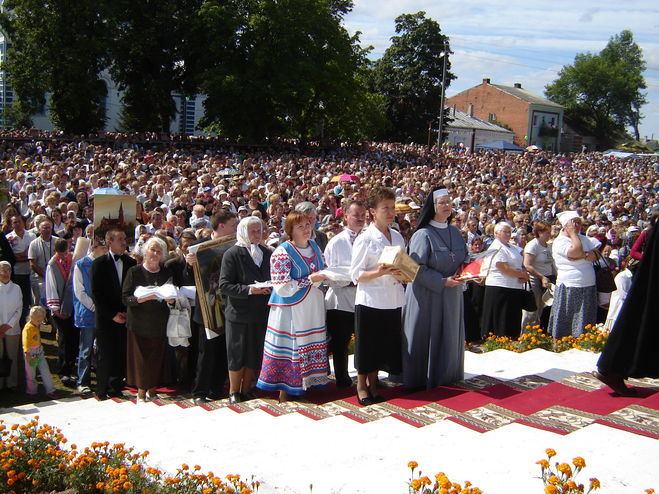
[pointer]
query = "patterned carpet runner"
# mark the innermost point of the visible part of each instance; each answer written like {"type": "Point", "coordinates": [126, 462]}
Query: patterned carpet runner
{"type": "Point", "coordinates": [481, 403]}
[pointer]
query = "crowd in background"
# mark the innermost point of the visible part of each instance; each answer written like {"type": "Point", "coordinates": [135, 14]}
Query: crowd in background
{"type": "Point", "coordinates": [518, 204]}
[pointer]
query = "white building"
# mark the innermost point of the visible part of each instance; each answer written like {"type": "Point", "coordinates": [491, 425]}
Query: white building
{"type": "Point", "coordinates": [472, 131]}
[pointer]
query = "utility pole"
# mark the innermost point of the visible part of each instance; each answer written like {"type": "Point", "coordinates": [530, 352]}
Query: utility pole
{"type": "Point", "coordinates": [444, 55]}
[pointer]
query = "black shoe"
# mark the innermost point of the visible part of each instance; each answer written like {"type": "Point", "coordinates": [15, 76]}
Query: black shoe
{"type": "Point", "coordinates": [200, 400]}
{"type": "Point", "coordinates": [249, 396]}
{"type": "Point", "coordinates": [217, 396]}
{"type": "Point", "coordinates": [113, 393]}
{"type": "Point", "coordinates": [616, 383]}
{"type": "Point", "coordinates": [378, 399]}
{"type": "Point", "coordinates": [102, 396]}
{"type": "Point", "coordinates": [235, 398]}
{"type": "Point", "coordinates": [365, 401]}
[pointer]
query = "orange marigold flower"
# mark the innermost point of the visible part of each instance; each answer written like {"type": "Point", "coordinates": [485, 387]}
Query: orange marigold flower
{"type": "Point", "coordinates": [649, 491]}
{"type": "Point", "coordinates": [553, 480]}
{"type": "Point", "coordinates": [595, 484]}
{"type": "Point", "coordinates": [416, 484]}
{"type": "Point", "coordinates": [551, 489]}
{"type": "Point", "coordinates": [566, 469]}
{"type": "Point", "coordinates": [579, 462]}
{"type": "Point", "coordinates": [412, 465]}
{"type": "Point", "coordinates": [550, 452]}
{"type": "Point", "coordinates": [543, 463]}
{"type": "Point", "coordinates": [425, 480]}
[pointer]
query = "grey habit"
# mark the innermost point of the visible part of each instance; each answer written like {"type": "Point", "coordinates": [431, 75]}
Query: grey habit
{"type": "Point", "coordinates": [433, 321]}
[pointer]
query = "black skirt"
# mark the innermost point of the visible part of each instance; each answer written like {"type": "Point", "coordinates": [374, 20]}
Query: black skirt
{"type": "Point", "coordinates": [245, 344]}
{"type": "Point", "coordinates": [502, 311]}
{"type": "Point", "coordinates": [378, 340]}
{"type": "Point", "coordinates": [146, 361]}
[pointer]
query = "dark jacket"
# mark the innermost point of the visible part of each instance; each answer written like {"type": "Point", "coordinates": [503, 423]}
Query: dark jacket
{"type": "Point", "coordinates": [106, 289]}
{"type": "Point", "coordinates": [238, 272]}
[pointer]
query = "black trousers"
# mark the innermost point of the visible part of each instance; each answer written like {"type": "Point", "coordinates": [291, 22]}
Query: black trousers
{"type": "Point", "coordinates": [340, 326]}
{"type": "Point", "coordinates": [68, 340]}
{"type": "Point", "coordinates": [23, 282]}
{"type": "Point", "coordinates": [111, 354]}
{"type": "Point", "coordinates": [212, 366]}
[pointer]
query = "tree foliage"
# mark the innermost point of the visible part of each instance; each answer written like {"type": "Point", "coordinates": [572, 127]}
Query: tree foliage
{"type": "Point", "coordinates": [409, 76]}
{"type": "Point", "coordinates": [287, 68]}
{"type": "Point", "coordinates": [604, 92]}
{"type": "Point", "coordinates": [150, 45]}
{"type": "Point", "coordinates": [57, 47]}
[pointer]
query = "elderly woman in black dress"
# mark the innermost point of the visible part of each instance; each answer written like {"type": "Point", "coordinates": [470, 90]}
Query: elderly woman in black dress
{"type": "Point", "coordinates": [147, 319]}
{"type": "Point", "coordinates": [246, 310]}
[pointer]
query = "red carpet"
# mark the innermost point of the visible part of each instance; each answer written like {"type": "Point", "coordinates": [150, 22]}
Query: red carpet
{"type": "Point", "coordinates": [481, 403]}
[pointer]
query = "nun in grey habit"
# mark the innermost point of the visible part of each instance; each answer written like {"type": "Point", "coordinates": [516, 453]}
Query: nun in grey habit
{"type": "Point", "coordinates": [433, 321]}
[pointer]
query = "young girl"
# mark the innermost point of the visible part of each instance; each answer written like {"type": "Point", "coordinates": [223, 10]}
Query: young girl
{"type": "Point", "coordinates": [379, 299]}
{"type": "Point", "coordinates": [34, 356]}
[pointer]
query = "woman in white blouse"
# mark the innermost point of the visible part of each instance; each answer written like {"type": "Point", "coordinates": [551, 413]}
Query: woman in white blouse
{"type": "Point", "coordinates": [575, 298]}
{"type": "Point", "coordinates": [379, 299]}
{"type": "Point", "coordinates": [11, 305]}
{"type": "Point", "coordinates": [540, 266]}
{"type": "Point", "coordinates": [502, 304]}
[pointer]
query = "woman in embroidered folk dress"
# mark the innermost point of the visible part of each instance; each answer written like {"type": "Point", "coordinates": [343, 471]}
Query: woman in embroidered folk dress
{"type": "Point", "coordinates": [295, 352]}
{"type": "Point", "coordinates": [379, 299]}
{"type": "Point", "coordinates": [433, 322]}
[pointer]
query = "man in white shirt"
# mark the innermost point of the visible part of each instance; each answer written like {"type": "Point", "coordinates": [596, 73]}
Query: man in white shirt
{"type": "Point", "coordinates": [19, 239]}
{"type": "Point", "coordinates": [41, 250]}
{"type": "Point", "coordinates": [340, 298]}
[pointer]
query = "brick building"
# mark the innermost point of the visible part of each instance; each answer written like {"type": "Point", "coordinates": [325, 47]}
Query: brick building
{"type": "Point", "coordinates": [533, 119]}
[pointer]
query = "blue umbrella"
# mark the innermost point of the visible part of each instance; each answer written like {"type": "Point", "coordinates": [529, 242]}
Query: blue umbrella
{"type": "Point", "coordinates": [109, 191]}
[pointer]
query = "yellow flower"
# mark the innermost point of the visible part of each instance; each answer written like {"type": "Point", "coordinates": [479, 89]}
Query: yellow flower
{"type": "Point", "coordinates": [551, 489]}
{"type": "Point", "coordinates": [595, 484]}
{"type": "Point", "coordinates": [649, 491]}
{"type": "Point", "coordinates": [416, 484]}
{"type": "Point", "coordinates": [579, 462]}
{"type": "Point", "coordinates": [550, 452]}
{"type": "Point", "coordinates": [425, 480]}
{"type": "Point", "coordinates": [543, 463]}
{"type": "Point", "coordinates": [412, 465]}
{"type": "Point", "coordinates": [566, 469]}
{"type": "Point", "coordinates": [553, 480]}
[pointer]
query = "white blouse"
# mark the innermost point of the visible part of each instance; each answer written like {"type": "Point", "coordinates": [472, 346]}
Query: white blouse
{"type": "Point", "coordinates": [11, 306]}
{"type": "Point", "coordinates": [510, 254]}
{"type": "Point", "coordinates": [384, 292]}
{"type": "Point", "coordinates": [578, 273]}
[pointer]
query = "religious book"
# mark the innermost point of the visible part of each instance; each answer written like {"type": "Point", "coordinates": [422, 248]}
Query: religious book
{"type": "Point", "coordinates": [395, 256]}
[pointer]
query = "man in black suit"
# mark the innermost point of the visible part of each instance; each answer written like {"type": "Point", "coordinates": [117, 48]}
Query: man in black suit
{"type": "Point", "coordinates": [212, 366]}
{"type": "Point", "coordinates": [107, 275]}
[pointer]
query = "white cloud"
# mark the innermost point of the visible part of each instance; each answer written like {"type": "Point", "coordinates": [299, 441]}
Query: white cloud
{"type": "Point", "coordinates": [524, 41]}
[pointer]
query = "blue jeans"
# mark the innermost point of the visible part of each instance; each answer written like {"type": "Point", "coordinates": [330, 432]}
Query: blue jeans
{"type": "Point", "coordinates": [85, 356]}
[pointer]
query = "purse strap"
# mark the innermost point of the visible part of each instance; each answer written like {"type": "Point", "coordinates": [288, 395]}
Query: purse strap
{"type": "Point", "coordinates": [600, 256]}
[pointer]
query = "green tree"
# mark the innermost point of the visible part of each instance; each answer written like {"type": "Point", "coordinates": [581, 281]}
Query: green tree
{"type": "Point", "coordinates": [149, 50]}
{"type": "Point", "coordinates": [603, 92]}
{"type": "Point", "coordinates": [409, 76]}
{"type": "Point", "coordinates": [285, 68]}
{"type": "Point", "coordinates": [59, 48]}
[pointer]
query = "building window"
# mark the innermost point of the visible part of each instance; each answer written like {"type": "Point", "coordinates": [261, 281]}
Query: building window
{"type": "Point", "coordinates": [492, 117]}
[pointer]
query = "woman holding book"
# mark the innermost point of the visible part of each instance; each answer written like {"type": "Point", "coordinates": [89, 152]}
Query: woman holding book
{"type": "Point", "coordinates": [379, 299]}
{"type": "Point", "coordinates": [433, 322]}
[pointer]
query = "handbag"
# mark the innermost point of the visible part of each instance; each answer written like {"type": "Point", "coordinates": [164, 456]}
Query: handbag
{"type": "Point", "coordinates": [178, 322]}
{"type": "Point", "coordinates": [529, 303]}
{"type": "Point", "coordinates": [5, 362]}
{"type": "Point", "coordinates": [603, 276]}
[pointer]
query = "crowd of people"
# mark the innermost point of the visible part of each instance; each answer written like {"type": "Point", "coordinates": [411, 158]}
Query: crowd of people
{"type": "Point", "coordinates": [539, 222]}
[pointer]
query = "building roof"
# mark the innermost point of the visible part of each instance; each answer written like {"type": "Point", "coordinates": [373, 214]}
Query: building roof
{"type": "Point", "coordinates": [527, 96]}
{"type": "Point", "coordinates": [462, 120]}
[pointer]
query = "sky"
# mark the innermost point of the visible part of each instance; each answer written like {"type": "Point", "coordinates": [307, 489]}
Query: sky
{"type": "Point", "coordinates": [521, 41]}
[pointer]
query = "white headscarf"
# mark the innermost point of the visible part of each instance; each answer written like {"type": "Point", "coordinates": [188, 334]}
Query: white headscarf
{"type": "Point", "coordinates": [242, 238]}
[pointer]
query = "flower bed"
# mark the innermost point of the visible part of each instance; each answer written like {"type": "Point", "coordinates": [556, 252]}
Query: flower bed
{"type": "Point", "coordinates": [34, 459]}
{"type": "Point", "coordinates": [593, 339]}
